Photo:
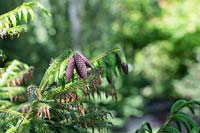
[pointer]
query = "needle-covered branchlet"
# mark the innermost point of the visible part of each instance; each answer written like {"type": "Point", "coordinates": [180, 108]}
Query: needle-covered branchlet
{"type": "Point", "coordinates": [79, 63]}
{"type": "Point", "coordinates": [23, 78]}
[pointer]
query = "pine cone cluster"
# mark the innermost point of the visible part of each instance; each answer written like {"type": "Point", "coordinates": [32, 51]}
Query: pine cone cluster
{"type": "Point", "coordinates": [79, 63]}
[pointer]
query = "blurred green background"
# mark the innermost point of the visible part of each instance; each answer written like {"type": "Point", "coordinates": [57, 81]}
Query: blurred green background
{"type": "Point", "coordinates": [159, 37]}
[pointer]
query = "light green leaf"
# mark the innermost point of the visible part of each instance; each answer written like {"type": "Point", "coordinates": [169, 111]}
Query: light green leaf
{"type": "Point", "coordinates": [13, 20]}
{"type": "Point", "coordinates": [19, 13]}
{"type": "Point", "coordinates": [25, 14]}
{"type": "Point", "coordinates": [30, 12]}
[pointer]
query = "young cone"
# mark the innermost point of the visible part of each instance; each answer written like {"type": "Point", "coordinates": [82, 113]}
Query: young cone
{"type": "Point", "coordinates": [70, 69]}
{"type": "Point", "coordinates": [80, 66]}
{"type": "Point", "coordinates": [87, 62]}
{"type": "Point", "coordinates": [124, 68]}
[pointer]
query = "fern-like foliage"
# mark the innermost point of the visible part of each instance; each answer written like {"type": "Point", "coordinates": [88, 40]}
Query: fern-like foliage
{"type": "Point", "coordinates": [57, 102]}
{"type": "Point", "coordinates": [14, 22]}
{"type": "Point", "coordinates": [13, 96]}
{"type": "Point", "coordinates": [15, 74]}
{"type": "Point", "coordinates": [178, 120]}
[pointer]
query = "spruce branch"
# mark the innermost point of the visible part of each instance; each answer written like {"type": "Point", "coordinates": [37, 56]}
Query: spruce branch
{"type": "Point", "coordinates": [15, 21]}
{"type": "Point", "coordinates": [67, 103]}
{"type": "Point", "coordinates": [15, 74]}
